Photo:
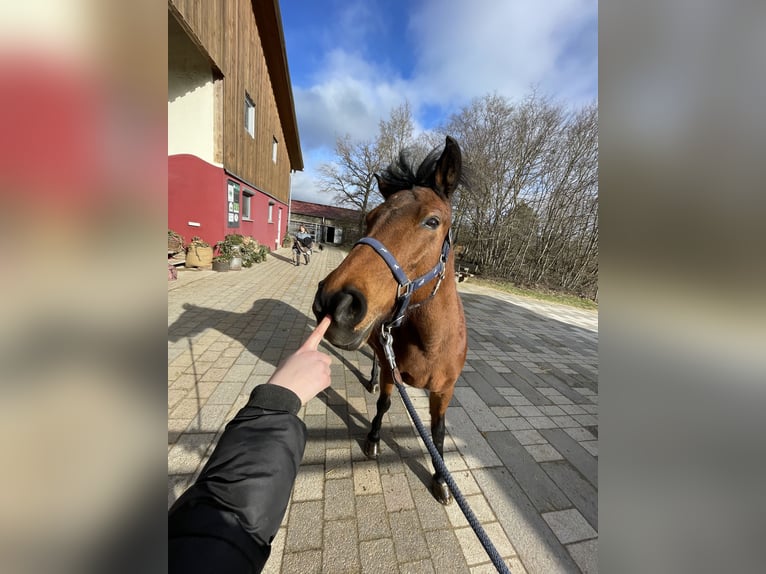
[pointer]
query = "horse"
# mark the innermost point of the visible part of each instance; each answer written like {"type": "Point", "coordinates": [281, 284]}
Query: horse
{"type": "Point", "coordinates": [371, 299]}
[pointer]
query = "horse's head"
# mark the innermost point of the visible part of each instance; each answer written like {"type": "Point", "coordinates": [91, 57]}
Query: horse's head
{"type": "Point", "coordinates": [412, 224]}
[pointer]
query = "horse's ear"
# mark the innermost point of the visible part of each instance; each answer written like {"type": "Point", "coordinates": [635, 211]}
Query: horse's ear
{"type": "Point", "coordinates": [385, 187]}
{"type": "Point", "coordinates": [448, 168]}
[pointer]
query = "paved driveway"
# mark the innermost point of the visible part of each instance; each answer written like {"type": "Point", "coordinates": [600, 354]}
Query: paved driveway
{"type": "Point", "coordinates": [522, 430]}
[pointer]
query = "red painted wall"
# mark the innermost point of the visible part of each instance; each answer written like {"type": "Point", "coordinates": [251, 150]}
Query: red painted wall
{"type": "Point", "coordinates": [197, 192]}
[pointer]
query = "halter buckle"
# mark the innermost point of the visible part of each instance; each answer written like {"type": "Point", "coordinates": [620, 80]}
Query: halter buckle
{"type": "Point", "coordinates": [407, 290]}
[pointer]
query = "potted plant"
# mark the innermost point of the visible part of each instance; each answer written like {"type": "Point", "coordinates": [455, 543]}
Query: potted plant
{"type": "Point", "coordinates": [234, 242]}
{"type": "Point", "coordinates": [252, 252]}
{"type": "Point", "coordinates": [175, 242]}
{"type": "Point", "coordinates": [230, 251]}
{"type": "Point", "coordinates": [222, 261]}
{"type": "Point", "coordinates": [198, 253]}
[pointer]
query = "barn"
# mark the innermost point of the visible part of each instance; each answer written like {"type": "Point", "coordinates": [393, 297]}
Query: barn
{"type": "Point", "coordinates": [326, 223]}
{"type": "Point", "coordinates": [232, 132]}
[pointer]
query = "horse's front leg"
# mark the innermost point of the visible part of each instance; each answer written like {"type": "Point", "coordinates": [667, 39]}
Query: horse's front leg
{"type": "Point", "coordinates": [371, 445]}
{"type": "Point", "coordinates": [438, 403]}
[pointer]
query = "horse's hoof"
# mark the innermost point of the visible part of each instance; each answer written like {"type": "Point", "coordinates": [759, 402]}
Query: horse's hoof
{"type": "Point", "coordinates": [371, 448]}
{"type": "Point", "coordinates": [441, 492]}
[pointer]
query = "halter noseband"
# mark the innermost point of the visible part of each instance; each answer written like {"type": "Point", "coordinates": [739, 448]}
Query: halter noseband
{"type": "Point", "coordinates": [406, 287]}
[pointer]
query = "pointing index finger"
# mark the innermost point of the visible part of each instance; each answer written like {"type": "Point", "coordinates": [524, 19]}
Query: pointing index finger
{"type": "Point", "coordinates": [313, 340]}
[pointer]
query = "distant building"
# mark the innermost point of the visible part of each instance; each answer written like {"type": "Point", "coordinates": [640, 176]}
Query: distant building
{"type": "Point", "coordinates": [326, 223]}
{"type": "Point", "coordinates": [232, 133]}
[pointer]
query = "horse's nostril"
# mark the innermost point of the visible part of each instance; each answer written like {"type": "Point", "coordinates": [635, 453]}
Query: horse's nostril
{"type": "Point", "coordinates": [347, 307]}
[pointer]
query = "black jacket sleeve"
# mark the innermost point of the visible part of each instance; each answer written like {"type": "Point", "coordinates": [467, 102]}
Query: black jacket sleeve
{"type": "Point", "coordinates": [226, 521]}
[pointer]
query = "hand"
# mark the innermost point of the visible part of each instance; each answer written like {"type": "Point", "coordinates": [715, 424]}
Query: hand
{"type": "Point", "coordinates": [307, 371]}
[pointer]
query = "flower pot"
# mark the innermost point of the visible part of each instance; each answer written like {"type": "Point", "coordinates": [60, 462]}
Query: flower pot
{"type": "Point", "coordinates": [220, 265]}
{"type": "Point", "coordinates": [197, 256]}
{"type": "Point", "coordinates": [236, 260]}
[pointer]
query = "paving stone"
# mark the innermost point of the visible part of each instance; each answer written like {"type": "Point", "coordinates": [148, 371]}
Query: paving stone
{"type": "Point", "coordinates": [210, 418]}
{"type": "Point", "coordinates": [431, 513]}
{"type": "Point", "coordinates": [541, 422]}
{"type": "Point", "coordinates": [238, 373]}
{"type": "Point", "coordinates": [338, 463]}
{"type": "Point", "coordinates": [419, 567]}
{"type": "Point", "coordinates": [366, 478]}
{"type": "Point", "coordinates": [186, 408]}
{"type": "Point", "coordinates": [505, 412]}
{"type": "Point", "coordinates": [582, 494]}
{"type": "Point", "coordinates": [409, 543]}
{"type": "Point", "coordinates": [579, 434]}
{"type": "Point", "coordinates": [534, 542]}
{"type": "Point", "coordinates": [377, 556]}
{"type": "Point", "coordinates": [577, 456]}
{"type": "Point", "coordinates": [543, 452]}
{"type": "Point", "coordinates": [225, 394]}
{"type": "Point", "coordinates": [396, 492]}
{"type": "Point", "coordinates": [479, 506]}
{"type": "Point", "coordinates": [304, 528]}
{"type": "Point", "coordinates": [591, 446]}
{"type": "Point", "coordinates": [309, 484]}
{"type": "Point", "coordinates": [187, 453]}
{"type": "Point", "coordinates": [529, 411]}
{"type": "Point", "coordinates": [585, 420]}
{"type": "Point", "coordinates": [586, 555]}
{"type": "Point", "coordinates": [516, 423]}
{"type": "Point", "coordinates": [223, 363]}
{"type": "Point", "coordinates": [478, 410]}
{"type": "Point", "coordinates": [541, 490]}
{"type": "Point", "coordinates": [469, 441]}
{"type": "Point", "coordinates": [340, 550]}
{"type": "Point", "coordinates": [309, 562]}
{"type": "Point", "coordinates": [372, 518]}
{"type": "Point", "coordinates": [569, 526]}
{"type": "Point", "coordinates": [485, 382]}
{"type": "Point", "coordinates": [446, 554]}
{"type": "Point", "coordinates": [526, 437]}
{"type": "Point", "coordinates": [339, 499]}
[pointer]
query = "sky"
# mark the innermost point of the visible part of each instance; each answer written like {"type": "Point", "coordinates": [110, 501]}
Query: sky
{"type": "Point", "coordinates": [352, 61]}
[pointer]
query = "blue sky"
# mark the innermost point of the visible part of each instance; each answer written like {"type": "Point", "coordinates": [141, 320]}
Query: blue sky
{"type": "Point", "coordinates": [351, 62]}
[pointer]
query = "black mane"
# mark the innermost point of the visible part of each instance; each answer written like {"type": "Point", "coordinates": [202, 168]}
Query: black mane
{"type": "Point", "coordinates": [403, 174]}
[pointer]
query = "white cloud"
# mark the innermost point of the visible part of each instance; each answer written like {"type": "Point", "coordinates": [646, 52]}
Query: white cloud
{"type": "Point", "coordinates": [462, 50]}
{"type": "Point", "coordinates": [468, 49]}
{"type": "Point", "coordinates": [348, 98]}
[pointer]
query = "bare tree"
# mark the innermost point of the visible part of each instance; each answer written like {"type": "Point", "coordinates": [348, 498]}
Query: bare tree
{"type": "Point", "coordinates": [350, 178]}
{"type": "Point", "coordinates": [530, 212]}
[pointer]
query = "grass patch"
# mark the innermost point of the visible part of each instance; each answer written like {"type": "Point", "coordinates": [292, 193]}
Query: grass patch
{"type": "Point", "coordinates": [539, 294]}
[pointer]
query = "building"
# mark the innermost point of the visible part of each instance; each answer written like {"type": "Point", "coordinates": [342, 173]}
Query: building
{"type": "Point", "coordinates": [325, 223]}
{"type": "Point", "coordinates": [232, 133]}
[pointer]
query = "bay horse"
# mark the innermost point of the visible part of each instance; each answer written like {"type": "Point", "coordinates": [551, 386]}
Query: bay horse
{"type": "Point", "coordinates": [370, 293]}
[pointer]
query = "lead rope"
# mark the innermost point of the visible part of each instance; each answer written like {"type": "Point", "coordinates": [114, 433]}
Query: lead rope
{"type": "Point", "coordinates": [437, 459]}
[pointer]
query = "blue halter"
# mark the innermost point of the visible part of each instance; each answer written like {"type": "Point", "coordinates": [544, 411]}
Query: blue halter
{"type": "Point", "coordinates": [406, 287]}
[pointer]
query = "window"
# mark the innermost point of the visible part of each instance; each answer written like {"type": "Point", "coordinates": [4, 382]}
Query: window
{"type": "Point", "coordinates": [271, 212]}
{"type": "Point", "coordinates": [249, 115]}
{"type": "Point", "coordinates": [274, 145]}
{"type": "Point", "coordinates": [246, 205]}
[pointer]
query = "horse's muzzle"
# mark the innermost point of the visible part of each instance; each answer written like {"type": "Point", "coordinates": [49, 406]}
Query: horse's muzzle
{"type": "Point", "coordinates": [347, 308]}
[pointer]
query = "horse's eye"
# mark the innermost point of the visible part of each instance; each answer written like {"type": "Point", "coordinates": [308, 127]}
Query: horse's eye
{"type": "Point", "coordinates": [431, 222]}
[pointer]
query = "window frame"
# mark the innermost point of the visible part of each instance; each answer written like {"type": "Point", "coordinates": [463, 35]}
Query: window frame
{"type": "Point", "coordinates": [247, 205]}
{"type": "Point", "coordinates": [249, 115]}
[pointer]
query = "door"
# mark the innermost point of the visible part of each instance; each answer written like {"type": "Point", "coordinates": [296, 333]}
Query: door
{"type": "Point", "coordinates": [279, 228]}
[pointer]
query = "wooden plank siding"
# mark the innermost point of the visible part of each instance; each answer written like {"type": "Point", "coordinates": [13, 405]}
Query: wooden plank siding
{"type": "Point", "coordinates": [229, 34]}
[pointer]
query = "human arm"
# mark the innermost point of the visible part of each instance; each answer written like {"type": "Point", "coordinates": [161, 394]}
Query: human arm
{"type": "Point", "coordinates": [227, 520]}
